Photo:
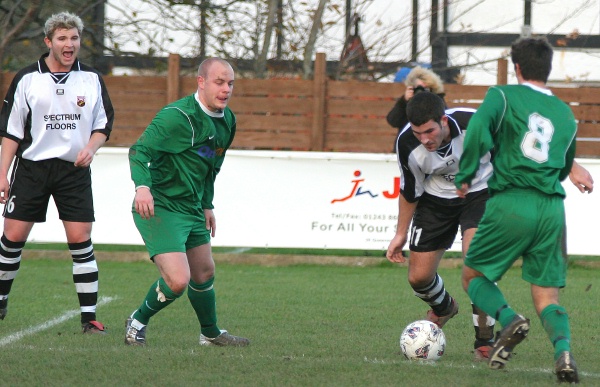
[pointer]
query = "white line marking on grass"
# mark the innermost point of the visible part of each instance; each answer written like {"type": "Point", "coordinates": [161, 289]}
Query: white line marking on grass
{"type": "Point", "coordinates": [472, 366]}
{"type": "Point", "coordinates": [240, 250]}
{"type": "Point", "coordinates": [48, 324]}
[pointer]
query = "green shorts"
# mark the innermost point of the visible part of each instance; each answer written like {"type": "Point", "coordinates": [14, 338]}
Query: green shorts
{"type": "Point", "coordinates": [522, 223]}
{"type": "Point", "coordinates": [170, 232]}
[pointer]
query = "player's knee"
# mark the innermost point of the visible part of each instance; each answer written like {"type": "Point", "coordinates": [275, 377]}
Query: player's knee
{"type": "Point", "coordinates": [201, 276]}
{"type": "Point", "coordinates": [465, 284]}
{"type": "Point", "coordinates": [467, 276]}
{"type": "Point", "coordinates": [178, 288]}
{"type": "Point", "coordinates": [179, 284]}
{"type": "Point", "coordinates": [77, 232]}
{"type": "Point", "coordinates": [17, 231]}
{"type": "Point", "coordinates": [419, 281]}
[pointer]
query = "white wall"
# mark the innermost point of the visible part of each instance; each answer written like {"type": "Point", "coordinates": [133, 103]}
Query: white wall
{"type": "Point", "coordinates": [284, 199]}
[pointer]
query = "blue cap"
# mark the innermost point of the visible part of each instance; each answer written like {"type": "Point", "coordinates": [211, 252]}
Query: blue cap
{"type": "Point", "coordinates": [401, 74]}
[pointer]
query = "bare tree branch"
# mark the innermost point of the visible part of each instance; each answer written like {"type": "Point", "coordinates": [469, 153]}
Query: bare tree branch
{"type": "Point", "coordinates": [8, 34]}
{"type": "Point", "coordinates": [312, 38]}
{"type": "Point", "coordinates": [261, 61]}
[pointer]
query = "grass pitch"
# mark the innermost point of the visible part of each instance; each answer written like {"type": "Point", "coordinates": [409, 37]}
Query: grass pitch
{"type": "Point", "coordinates": [309, 325]}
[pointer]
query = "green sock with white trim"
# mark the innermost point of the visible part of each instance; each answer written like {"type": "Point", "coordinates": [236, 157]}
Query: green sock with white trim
{"type": "Point", "coordinates": [159, 297]}
{"type": "Point", "coordinates": [203, 300]}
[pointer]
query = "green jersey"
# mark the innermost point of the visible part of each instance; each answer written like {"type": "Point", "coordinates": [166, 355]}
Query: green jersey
{"type": "Point", "coordinates": [180, 153]}
{"type": "Point", "coordinates": [532, 135]}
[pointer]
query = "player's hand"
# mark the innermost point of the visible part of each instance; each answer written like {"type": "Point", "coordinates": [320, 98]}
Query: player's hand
{"type": "Point", "coordinates": [463, 191]}
{"type": "Point", "coordinates": [84, 158]}
{"type": "Point", "coordinates": [394, 252]}
{"type": "Point", "coordinates": [581, 178]}
{"type": "Point", "coordinates": [144, 202]}
{"type": "Point", "coordinates": [4, 188]}
{"type": "Point", "coordinates": [211, 222]}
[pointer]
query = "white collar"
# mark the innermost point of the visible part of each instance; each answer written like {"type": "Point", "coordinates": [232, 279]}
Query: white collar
{"type": "Point", "coordinates": [206, 110]}
{"type": "Point", "coordinates": [537, 88]}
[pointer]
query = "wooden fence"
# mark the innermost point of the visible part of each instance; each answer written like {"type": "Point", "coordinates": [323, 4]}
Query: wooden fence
{"type": "Point", "coordinates": [311, 115]}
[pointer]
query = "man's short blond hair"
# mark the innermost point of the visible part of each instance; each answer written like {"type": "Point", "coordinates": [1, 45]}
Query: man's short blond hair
{"type": "Point", "coordinates": [63, 20]}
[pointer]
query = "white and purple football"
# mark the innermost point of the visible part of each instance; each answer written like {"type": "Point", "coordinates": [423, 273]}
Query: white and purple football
{"type": "Point", "coordinates": [423, 340]}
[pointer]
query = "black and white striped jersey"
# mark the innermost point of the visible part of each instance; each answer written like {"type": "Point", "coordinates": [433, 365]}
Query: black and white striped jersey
{"type": "Point", "coordinates": [433, 172]}
{"type": "Point", "coordinates": [53, 115]}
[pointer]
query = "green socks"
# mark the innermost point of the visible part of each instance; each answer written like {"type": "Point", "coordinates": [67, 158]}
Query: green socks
{"type": "Point", "coordinates": [159, 297]}
{"type": "Point", "coordinates": [486, 295]}
{"type": "Point", "coordinates": [556, 323]}
{"type": "Point", "coordinates": [202, 298]}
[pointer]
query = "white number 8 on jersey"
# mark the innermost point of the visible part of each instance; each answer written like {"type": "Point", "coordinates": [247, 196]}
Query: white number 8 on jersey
{"type": "Point", "coordinates": [536, 143]}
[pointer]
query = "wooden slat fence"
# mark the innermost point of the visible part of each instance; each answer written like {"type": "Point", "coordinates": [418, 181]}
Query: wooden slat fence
{"type": "Point", "coordinates": [310, 115]}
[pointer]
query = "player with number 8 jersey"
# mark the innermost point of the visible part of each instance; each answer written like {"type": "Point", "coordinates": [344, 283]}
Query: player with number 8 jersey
{"type": "Point", "coordinates": [532, 133]}
{"type": "Point", "coordinates": [522, 120]}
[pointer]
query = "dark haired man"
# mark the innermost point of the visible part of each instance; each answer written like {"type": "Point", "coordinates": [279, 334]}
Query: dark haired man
{"type": "Point", "coordinates": [429, 149]}
{"type": "Point", "coordinates": [533, 134]}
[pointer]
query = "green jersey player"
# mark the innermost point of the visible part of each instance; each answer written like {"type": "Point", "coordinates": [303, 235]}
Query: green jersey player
{"type": "Point", "coordinates": [174, 165]}
{"type": "Point", "coordinates": [532, 133]}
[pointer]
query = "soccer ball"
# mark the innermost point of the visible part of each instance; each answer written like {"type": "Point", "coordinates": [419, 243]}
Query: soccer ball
{"type": "Point", "coordinates": [423, 340]}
